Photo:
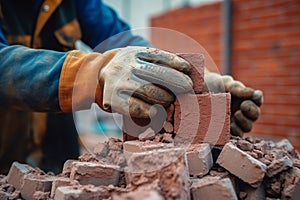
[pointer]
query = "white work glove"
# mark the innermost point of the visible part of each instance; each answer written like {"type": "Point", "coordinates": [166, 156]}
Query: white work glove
{"type": "Point", "coordinates": [245, 101]}
{"type": "Point", "coordinates": [138, 77]}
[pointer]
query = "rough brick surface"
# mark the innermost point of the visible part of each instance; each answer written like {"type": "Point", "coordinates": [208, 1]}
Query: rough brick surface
{"type": "Point", "coordinates": [291, 188]}
{"type": "Point", "coordinates": [197, 71]}
{"type": "Point", "coordinates": [213, 187]}
{"type": "Point", "coordinates": [59, 182]}
{"type": "Point", "coordinates": [202, 118]}
{"type": "Point", "coordinates": [199, 159]}
{"type": "Point", "coordinates": [242, 165]}
{"type": "Point", "coordinates": [163, 170]}
{"type": "Point", "coordinates": [17, 174]}
{"type": "Point", "coordinates": [95, 173]}
{"type": "Point", "coordinates": [34, 183]}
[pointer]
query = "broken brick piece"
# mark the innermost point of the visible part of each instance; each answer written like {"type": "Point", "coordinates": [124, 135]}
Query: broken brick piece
{"type": "Point", "coordinates": [35, 182]}
{"type": "Point", "coordinates": [164, 170]}
{"type": "Point", "coordinates": [213, 187]}
{"type": "Point", "coordinates": [68, 166]}
{"type": "Point", "coordinates": [95, 173]}
{"type": "Point", "coordinates": [17, 173]}
{"type": "Point", "coordinates": [251, 193]}
{"type": "Point", "coordinates": [199, 159]}
{"type": "Point", "coordinates": [197, 70]}
{"type": "Point", "coordinates": [202, 118]}
{"type": "Point", "coordinates": [291, 189]}
{"type": "Point", "coordinates": [138, 195]}
{"type": "Point", "coordinates": [59, 182]}
{"type": "Point", "coordinates": [242, 165]}
{"type": "Point", "coordinates": [279, 165]}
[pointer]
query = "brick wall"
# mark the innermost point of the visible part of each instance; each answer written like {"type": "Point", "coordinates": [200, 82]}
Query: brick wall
{"type": "Point", "coordinates": [265, 54]}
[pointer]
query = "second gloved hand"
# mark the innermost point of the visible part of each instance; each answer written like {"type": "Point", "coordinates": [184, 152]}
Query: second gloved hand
{"type": "Point", "coordinates": [245, 101]}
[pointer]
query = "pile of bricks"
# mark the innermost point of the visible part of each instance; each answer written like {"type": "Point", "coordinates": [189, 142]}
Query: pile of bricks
{"type": "Point", "coordinates": [248, 168]}
{"type": "Point", "coordinates": [184, 153]}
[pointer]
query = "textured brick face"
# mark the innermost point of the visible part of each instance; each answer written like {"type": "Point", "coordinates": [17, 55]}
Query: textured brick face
{"type": "Point", "coordinates": [265, 54]}
{"type": "Point", "coordinates": [202, 118]}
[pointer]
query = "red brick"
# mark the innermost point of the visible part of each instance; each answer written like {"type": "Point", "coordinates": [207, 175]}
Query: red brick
{"type": "Point", "coordinates": [202, 118]}
{"type": "Point", "coordinates": [17, 174]}
{"type": "Point", "coordinates": [95, 173]}
{"type": "Point", "coordinates": [248, 169]}
{"type": "Point", "coordinates": [197, 71]}
{"type": "Point", "coordinates": [199, 159]}
{"type": "Point", "coordinates": [209, 187]}
{"type": "Point", "coordinates": [163, 169]}
{"type": "Point", "coordinates": [34, 183]}
{"type": "Point", "coordinates": [59, 182]}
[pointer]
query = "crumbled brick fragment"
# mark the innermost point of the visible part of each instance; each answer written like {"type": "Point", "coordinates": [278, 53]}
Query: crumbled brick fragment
{"type": "Point", "coordinates": [148, 134]}
{"type": "Point", "coordinates": [279, 165]}
{"type": "Point", "coordinates": [242, 165]}
{"type": "Point", "coordinates": [213, 187]}
{"type": "Point", "coordinates": [163, 170]}
{"type": "Point", "coordinates": [251, 193]}
{"type": "Point", "coordinates": [291, 188]}
{"type": "Point", "coordinates": [95, 173]}
{"type": "Point", "coordinates": [68, 166]}
{"type": "Point", "coordinates": [199, 159]}
{"type": "Point", "coordinates": [101, 149]}
{"type": "Point", "coordinates": [202, 118]}
{"type": "Point", "coordinates": [168, 127]}
{"type": "Point", "coordinates": [61, 181]}
{"type": "Point", "coordinates": [244, 145]}
{"type": "Point", "coordinates": [138, 195]}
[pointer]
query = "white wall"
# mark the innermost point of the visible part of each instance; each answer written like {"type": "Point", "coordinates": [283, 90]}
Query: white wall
{"type": "Point", "coordinates": [138, 12]}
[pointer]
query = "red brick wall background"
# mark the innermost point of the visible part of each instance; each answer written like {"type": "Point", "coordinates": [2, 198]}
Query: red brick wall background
{"type": "Point", "coordinates": [265, 54]}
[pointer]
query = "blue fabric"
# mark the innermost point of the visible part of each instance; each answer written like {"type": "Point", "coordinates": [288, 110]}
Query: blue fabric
{"type": "Point", "coordinates": [99, 22]}
{"type": "Point", "coordinates": [29, 78]}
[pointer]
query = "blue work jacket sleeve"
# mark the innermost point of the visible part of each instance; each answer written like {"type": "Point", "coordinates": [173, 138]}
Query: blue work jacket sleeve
{"type": "Point", "coordinates": [29, 78]}
{"type": "Point", "coordinates": [99, 22]}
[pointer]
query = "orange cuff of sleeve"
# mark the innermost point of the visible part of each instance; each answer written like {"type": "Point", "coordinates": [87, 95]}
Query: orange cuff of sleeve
{"type": "Point", "coordinates": [79, 82]}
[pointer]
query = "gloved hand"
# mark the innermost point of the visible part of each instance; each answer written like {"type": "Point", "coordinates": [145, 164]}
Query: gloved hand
{"type": "Point", "coordinates": [245, 101]}
{"type": "Point", "coordinates": [129, 80]}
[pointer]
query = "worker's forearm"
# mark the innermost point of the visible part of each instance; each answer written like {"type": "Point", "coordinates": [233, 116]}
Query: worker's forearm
{"type": "Point", "coordinates": [29, 78]}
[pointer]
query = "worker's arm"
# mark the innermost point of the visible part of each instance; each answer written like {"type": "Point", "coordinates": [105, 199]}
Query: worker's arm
{"type": "Point", "coordinates": [120, 80]}
{"type": "Point", "coordinates": [98, 22]}
{"type": "Point", "coordinates": [245, 101]}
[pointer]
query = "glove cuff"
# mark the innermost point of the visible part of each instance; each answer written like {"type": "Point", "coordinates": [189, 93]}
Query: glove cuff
{"type": "Point", "coordinates": [78, 83]}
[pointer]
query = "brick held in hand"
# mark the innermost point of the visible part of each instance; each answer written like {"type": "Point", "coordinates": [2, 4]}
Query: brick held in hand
{"type": "Point", "coordinates": [242, 165]}
{"type": "Point", "coordinates": [213, 188]}
{"type": "Point", "coordinates": [202, 118]}
{"type": "Point", "coordinates": [199, 159]}
{"type": "Point", "coordinates": [197, 71]}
